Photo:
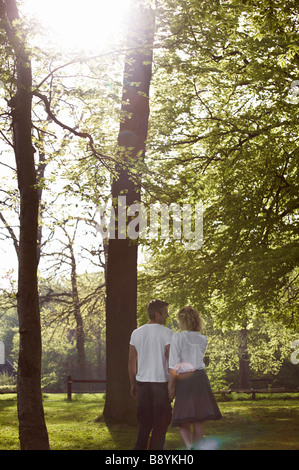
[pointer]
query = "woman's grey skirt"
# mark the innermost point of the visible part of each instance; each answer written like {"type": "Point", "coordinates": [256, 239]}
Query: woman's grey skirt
{"type": "Point", "coordinates": [194, 399]}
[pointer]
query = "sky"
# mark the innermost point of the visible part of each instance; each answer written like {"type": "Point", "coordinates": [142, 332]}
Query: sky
{"type": "Point", "coordinates": [84, 25]}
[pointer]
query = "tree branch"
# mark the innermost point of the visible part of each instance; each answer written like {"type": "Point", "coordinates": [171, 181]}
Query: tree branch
{"type": "Point", "coordinates": [84, 135]}
{"type": "Point", "coordinates": [11, 233]}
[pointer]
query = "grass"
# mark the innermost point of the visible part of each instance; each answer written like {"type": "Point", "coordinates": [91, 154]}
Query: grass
{"type": "Point", "coordinates": [268, 423]}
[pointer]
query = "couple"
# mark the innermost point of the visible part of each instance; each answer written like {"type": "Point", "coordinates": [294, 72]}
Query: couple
{"type": "Point", "coordinates": [163, 365]}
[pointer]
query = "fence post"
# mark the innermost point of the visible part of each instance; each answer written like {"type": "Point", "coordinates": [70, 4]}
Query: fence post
{"type": "Point", "coordinates": [69, 387]}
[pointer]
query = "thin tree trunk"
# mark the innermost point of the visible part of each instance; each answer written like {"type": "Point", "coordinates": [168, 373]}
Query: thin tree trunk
{"type": "Point", "coordinates": [121, 300]}
{"type": "Point", "coordinates": [32, 428]}
{"type": "Point", "coordinates": [244, 371]}
{"type": "Point", "coordinates": [80, 337]}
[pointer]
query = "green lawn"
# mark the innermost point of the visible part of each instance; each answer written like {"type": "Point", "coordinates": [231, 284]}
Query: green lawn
{"type": "Point", "coordinates": [270, 423]}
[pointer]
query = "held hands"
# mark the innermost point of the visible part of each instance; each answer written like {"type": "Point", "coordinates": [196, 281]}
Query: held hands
{"type": "Point", "coordinates": [171, 383]}
{"type": "Point", "coordinates": [171, 391]}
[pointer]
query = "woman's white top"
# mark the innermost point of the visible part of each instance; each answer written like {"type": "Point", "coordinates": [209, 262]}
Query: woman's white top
{"type": "Point", "coordinates": [187, 350]}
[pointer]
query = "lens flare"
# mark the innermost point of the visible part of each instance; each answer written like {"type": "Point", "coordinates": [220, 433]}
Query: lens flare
{"type": "Point", "coordinates": [208, 443]}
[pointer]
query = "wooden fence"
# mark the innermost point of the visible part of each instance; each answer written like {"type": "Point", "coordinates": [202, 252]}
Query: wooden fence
{"type": "Point", "coordinates": [252, 391]}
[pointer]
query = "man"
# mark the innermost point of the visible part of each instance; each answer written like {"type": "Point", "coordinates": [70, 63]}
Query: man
{"type": "Point", "coordinates": [148, 372]}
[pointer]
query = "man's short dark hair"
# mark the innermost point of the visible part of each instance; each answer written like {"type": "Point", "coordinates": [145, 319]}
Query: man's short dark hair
{"type": "Point", "coordinates": [155, 305]}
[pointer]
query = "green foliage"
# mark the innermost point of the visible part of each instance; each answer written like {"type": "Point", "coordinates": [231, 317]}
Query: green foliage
{"type": "Point", "coordinates": [7, 383]}
{"type": "Point", "coordinates": [224, 131]}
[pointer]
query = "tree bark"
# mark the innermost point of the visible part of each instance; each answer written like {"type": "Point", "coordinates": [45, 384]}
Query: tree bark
{"type": "Point", "coordinates": [121, 300]}
{"type": "Point", "coordinates": [244, 370]}
{"type": "Point", "coordinates": [32, 428]}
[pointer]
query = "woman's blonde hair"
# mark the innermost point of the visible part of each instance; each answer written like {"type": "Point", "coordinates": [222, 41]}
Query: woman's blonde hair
{"type": "Point", "coordinates": [189, 319]}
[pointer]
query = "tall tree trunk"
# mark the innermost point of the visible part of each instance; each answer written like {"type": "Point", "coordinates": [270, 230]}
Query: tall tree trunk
{"type": "Point", "coordinates": [121, 300]}
{"type": "Point", "coordinates": [32, 428]}
{"type": "Point", "coordinates": [244, 371]}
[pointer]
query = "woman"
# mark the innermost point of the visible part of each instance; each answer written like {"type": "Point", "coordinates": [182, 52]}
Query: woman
{"type": "Point", "coordinates": [188, 382]}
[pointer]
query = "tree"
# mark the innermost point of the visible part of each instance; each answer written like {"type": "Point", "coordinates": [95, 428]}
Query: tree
{"type": "Point", "coordinates": [228, 134]}
{"type": "Point", "coordinates": [69, 257]}
{"type": "Point", "coordinates": [32, 427]}
{"type": "Point", "coordinates": [59, 328]}
{"type": "Point", "coordinates": [121, 300]}
{"type": "Point", "coordinates": [63, 256]}
{"type": "Point", "coordinates": [243, 360]}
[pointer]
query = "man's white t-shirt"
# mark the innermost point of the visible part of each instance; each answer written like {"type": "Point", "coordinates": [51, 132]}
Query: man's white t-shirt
{"type": "Point", "coordinates": [150, 341]}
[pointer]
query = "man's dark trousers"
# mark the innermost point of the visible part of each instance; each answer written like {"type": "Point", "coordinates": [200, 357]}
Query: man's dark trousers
{"type": "Point", "coordinates": [154, 415]}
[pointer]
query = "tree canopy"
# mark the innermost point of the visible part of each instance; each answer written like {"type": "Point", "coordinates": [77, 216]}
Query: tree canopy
{"type": "Point", "coordinates": [225, 130]}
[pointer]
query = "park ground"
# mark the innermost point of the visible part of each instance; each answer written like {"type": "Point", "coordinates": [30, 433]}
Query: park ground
{"type": "Point", "coordinates": [267, 423]}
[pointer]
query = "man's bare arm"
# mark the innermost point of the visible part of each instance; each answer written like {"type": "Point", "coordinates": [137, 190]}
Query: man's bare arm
{"type": "Point", "coordinates": [132, 368]}
{"type": "Point", "coordinates": [167, 348]}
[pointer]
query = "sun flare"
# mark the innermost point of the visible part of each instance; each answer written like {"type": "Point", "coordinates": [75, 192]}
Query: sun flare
{"type": "Point", "coordinates": [87, 25]}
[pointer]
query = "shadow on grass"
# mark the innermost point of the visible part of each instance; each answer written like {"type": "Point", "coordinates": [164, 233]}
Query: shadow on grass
{"type": "Point", "coordinates": [122, 435]}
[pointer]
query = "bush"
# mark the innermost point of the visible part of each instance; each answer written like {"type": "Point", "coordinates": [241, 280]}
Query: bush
{"type": "Point", "coordinates": [7, 383]}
